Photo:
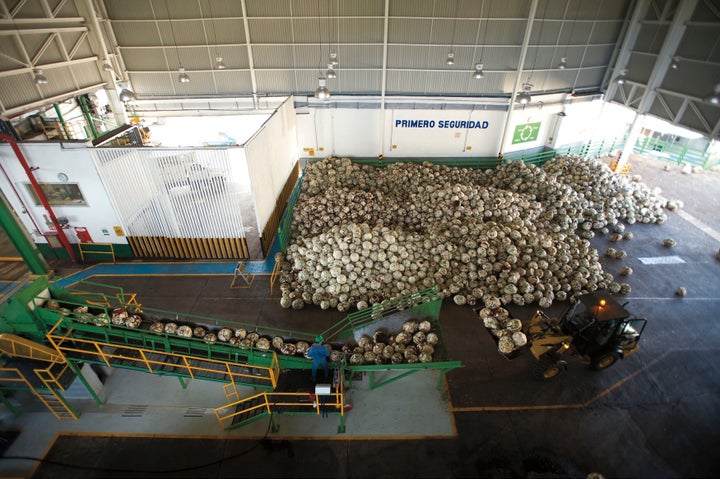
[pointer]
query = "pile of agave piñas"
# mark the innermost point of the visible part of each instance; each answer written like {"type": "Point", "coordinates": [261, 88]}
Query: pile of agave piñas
{"type": "Point", "coordinates": [520, 233]}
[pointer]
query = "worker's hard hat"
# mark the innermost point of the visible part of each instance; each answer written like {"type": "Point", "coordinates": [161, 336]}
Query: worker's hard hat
{"type": "Point", "coordinates": [318, 339]}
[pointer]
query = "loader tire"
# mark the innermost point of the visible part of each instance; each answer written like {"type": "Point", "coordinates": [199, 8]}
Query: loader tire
{"type": "Point", "coordinates": [549, 367]}
{"type": "Point", "coordinates": [605, 361]}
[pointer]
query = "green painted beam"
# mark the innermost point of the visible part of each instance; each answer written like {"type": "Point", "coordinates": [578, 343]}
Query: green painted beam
{"type": "Point", "coordinates": [30, 254]}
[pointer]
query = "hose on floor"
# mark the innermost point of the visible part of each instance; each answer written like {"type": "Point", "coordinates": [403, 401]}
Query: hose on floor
{"type": "Point", "coordinates": [146, 471]}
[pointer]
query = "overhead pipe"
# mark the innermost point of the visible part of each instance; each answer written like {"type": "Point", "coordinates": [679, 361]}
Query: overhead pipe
{"type": "Point", "coordinates": [41, 196]}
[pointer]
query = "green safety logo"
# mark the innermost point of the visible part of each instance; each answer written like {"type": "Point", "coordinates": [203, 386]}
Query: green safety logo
{"type": "Point", "coordinates": [526, 132]}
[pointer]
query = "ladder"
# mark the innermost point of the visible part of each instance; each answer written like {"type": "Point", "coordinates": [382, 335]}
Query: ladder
{"type": "Point", "coordinates": [50, 395]}
{"type": "Point", "coordinates": [247, 278]}
{"type": "Point", "coordinates": [55, 403]}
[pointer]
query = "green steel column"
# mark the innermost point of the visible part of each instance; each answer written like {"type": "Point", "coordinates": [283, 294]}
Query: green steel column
{"type": "Point", "coordinates": [7, 404]}
{"type": "Point", "coordinates": [36, 263]}
{"type": "Point", "coordinates": [82, 379]}
{"type": "Point", "coordinates": [88, 117]}
{"type": "Point", "coordinates": [62, 122]}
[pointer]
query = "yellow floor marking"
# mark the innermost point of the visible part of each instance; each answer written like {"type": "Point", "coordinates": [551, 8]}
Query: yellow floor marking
{"type": "Point", "coordinates": [450, 406]}
{"type": "Point", "coordinates": [585, 404]}
{"type": "Point", "coordinates": [44, 454]}
{"type": "Point", "coordinates": [339, 437]}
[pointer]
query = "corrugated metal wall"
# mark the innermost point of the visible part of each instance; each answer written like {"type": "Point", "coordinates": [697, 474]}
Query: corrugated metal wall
{"type": "Point", "coordinates": [176, 203]}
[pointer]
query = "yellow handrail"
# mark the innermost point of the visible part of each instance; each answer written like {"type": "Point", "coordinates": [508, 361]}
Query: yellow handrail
{"type": "Point", "coordinates": [82, 247]}
{"type": "Point", "coordinates": [68, 343]}
{"type": "Point", "coordinates": [20, 347]}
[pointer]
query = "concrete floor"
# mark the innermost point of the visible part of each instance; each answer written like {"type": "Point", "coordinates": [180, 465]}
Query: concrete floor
{"type": "Point", "coordinates": [655, 414]}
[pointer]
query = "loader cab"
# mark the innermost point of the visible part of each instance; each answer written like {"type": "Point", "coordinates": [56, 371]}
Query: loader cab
{"type": "Point", "coordinates": [602, 329]}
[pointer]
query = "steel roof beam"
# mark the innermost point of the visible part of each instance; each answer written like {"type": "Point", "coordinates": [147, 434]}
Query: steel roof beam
{"type": "Point", "coordinates": [4, 22]}
{"type": "Point", "coordinates": [672, 41]}
{"type": "Point", "coordinates": [383, 81]}
{"type": "Point", "coordinates": [97, 44]}
{"type": "Point", "coordinates": [9, 113]}
{"type": "Point", "coordinates": [251, 60]}
{"type": "Point", "coordinates": [360, 44]}
{"type": "Point", "coordinates": [518, 77]}
{"type": "Point", "coordinates": [47, 66]}
{"type": "Point", "coordinates": [35, 31]}
{"type": "Point", "coordinates": [638, 14]}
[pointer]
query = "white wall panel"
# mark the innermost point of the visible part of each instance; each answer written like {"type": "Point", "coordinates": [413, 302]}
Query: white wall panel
{"type": "Point", "coordinates": [356, 132]}
{"type": "Point", "coordinates": [50, 160]}
{"type": "Point", "coordinates": [271, 154]}
{"type": "Point", "coordinates": [442, 133]}
{"type": "Point", "coordinates": [580, 124]}
{"type": "Point", "coordinates": [535, 113]}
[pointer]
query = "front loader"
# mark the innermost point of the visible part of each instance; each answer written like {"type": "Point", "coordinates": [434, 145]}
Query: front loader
{"type": "Point", "coordinates": [596, 327]}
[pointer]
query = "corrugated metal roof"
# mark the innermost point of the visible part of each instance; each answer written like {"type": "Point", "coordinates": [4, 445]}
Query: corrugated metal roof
{"type": "Point", "coordinates": [506, 58]}
{"type": "Point", "coordinates": [226, 31]}
{"type": "Point", "coordinates": [147, 58]}
{"type": "Point", "coordinates": [692, 80]}
{"type": "Point", "coordinates": [130, 34]}
{"type": "Point", "coordinates": [505, 32]}
{"type": "Point", "coordinates": [231, 82]}
{"type": "Point", "coordinates": [606, 32]}
{"type": "Point", "coordinates": [639, 67]}
{"type": "Point", "coordinates": [360, 56]}
{"type": "Point", "coordinates": [650, 38]}
{"type": "Point", "coordinates": [269, 82]}
{"type": "Point", "coordinates": [510, 9]}
{"type": "Point", "coordinates": [266, 56]}
{"type": "Point", "coordinates": [291, 41]}
{"type": "Point", "coordinates": [493, 84]}
{"type": "Point", "coordinates": [589, 78]}
{"type": "Point", "coordinates": [18, 90]}
{"type": "Point", "coordinates": [118, 10]}
{"type": "Point", "coordinates": [359, 30]}
{"type": "Point", "coordinates": [86, 74]}
{"type": "Point", "coordinates": [357, 81]}
{"type": "Point", "coordinates": [695, 43]}
{"type": "Point", "coordinates": [153, 84]}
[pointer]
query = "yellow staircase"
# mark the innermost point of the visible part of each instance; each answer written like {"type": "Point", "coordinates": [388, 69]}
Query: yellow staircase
{"type": "Point", "coordinates": [52, 399]}
{"type": "Point", "coordinates": [246, 410]}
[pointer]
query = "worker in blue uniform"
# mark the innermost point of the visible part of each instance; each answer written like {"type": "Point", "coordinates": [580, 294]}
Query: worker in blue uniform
{"type": "Point", "coordinates": [319, 354]}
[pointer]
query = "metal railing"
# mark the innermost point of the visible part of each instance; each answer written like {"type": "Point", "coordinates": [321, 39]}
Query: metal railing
{"type": "Point", "coordinates": [673, 152]}
{"type": "Point", "coordinates": [378, 311]}
{"type": "Point", "coordinates": [281, 402]}
{"type": "Point", "coordinates": [85, 342]}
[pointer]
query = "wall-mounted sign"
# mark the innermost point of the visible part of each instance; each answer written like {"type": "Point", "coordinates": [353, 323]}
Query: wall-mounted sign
{"type": "Point", "coordinates": [58, 194]}
{"type": "Point", "coordinates": [52, 239]}
{"type": "Point", "coordinates": [526, 132]}
{"type": "Point", "coordinates": [118, 231]}
{"type": "Point", "coordinates": [463, 124]}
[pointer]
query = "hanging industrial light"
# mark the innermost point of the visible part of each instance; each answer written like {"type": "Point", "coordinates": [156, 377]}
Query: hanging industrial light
{"type": "Point", "coordinates": [126, 94]}
{"type": "Point", "coordinates": [622, 77]}
{"type": "Point", "coordinates": [524, 96]}
{"type": "Point", "coordinates": [39, 78]}
{"type": "Point", "coordinates": [322, 92]}
{"type": "Point", "coordinates": [331, 73]}
{"type": "Point", "coordinates": [183, 77]}
{"type": "Point", "coordinates": [450, 59]}
{"type": "Point", "coordinates": [715, 97]}
{"type": "Point", "coordinates": [563, 63]}
{"type": "Point", "coordinates": [334, 60]}
{"type": "Point", "coordinates": [219, 63]}
{"type": "Point", "coordinates": [478, 73]}
{"type": "Point", "coordinates": [675, 63]}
